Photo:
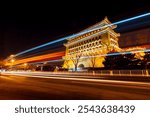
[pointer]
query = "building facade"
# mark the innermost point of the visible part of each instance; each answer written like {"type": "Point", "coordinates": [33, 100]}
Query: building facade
{"type": "Point", "coordinates": [140, 37]}
{"type": "Point", "coordinates": [88, 49]}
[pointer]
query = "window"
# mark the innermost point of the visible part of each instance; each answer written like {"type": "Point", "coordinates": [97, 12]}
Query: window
{"type": "Point", "coordinates": [95, 38]}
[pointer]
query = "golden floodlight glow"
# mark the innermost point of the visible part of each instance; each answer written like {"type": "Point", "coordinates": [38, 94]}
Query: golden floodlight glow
{"type": "Point", "coordinates": [12, 60]}
{"type": "Point", "coordinates": [12, 55]}
{"type": "Point", "coordinates": [25, 64]}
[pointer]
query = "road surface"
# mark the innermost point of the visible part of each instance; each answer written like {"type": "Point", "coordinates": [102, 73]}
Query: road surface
{"type": "Point", "coordinates": [69, 87]}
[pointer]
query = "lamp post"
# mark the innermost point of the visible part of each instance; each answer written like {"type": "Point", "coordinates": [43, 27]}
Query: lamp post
{"type": "Point", "coordinates": [25, 66]}
{"type": "Point", "coordinates": [12, 62]}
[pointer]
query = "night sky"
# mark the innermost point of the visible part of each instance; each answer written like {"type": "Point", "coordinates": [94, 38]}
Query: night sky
{"type": "Point", "coordinates": [25, 25]}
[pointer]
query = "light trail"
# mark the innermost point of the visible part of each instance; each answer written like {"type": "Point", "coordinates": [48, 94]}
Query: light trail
{"type": "Point", "coordinates": [71, 36]}
{"type": "Point", "coordinates": [64, 76]}
{"type": "Point", "coordinates": [134, 26]}
{"type": "Point", "coordinates": [57, 60]}
{"type": "Point", "coordinates": [39, 58]}
{"type": "Point", "coordinates": [42, 52]}
{"type": "Point", "coordinates": [132, 18]}
{"type": "Point", "coordinates": [48, 56]}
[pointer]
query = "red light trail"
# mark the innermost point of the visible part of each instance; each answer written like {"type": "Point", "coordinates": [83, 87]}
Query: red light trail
{"type": "Point", "coordinates": [46, 57]}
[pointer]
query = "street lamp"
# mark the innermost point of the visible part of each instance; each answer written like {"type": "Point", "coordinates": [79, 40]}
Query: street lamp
{"type": "Point", "coordinates": [25, 66]}
{"type": "Point", "coordinates": [12, 62]}
{"type": "Point", "coordinates": [45, 63]}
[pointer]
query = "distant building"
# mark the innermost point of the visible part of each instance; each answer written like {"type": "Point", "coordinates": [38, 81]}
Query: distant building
{"type": "Point", "coordinates": [140, 38]}
{"type": "Point", "coordinates": [84, 51]}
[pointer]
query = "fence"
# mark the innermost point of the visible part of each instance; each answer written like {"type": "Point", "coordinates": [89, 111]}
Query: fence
{"type": "Point", "coordinates": [123, 72]}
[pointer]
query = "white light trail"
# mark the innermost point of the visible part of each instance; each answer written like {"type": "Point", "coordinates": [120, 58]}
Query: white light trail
{"type": "Point", "coordinates": [74, 78]}
{"type": "Point", "coordinates": [78, 34]}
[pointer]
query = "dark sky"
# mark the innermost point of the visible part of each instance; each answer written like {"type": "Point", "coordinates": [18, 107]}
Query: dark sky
{"type": "Point", "coordinates": [25, 25]}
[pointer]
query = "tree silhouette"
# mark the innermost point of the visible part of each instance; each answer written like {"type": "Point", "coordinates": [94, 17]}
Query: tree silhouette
{"type": "Point", "coordinates": [92, 59]}
{"type": "Point", "coordinates": [124, 61]}
{"type": "Point", "coordinates": [146, 61]}
{"type": "Point", "coordinates": [75, 59]}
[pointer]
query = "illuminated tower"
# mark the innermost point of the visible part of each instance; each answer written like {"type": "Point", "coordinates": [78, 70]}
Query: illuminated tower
{"type": "Point", "coordinates": [86, 50]}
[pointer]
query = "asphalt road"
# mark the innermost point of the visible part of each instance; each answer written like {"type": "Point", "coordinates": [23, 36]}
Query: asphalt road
{"type": "Point", "coordinates": [32, 88]}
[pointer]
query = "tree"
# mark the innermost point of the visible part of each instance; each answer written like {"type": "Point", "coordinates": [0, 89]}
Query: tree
{"type": "Point", "coordinates": [110, 61]}
{"type": "Point", "coordinates": [146, 60]}
{"type": "Point", "coordinates": [75, 59]}
{"type": "Point", "coordinates": [122, 61]}
{"type": "Point", "coordinates": [92, 59]}
{"type": "Point", "coordinates": [139, 55]}
{"type": "Point", "coordinates": [1, 64]}
{"type": "Point", "coordinates": [66, 64]}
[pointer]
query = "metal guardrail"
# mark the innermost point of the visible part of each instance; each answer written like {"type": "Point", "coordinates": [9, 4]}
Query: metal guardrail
{"type": "Point", "coordinates": [98, 72]}
{"type": "Point", "coordinates": [123, 72]}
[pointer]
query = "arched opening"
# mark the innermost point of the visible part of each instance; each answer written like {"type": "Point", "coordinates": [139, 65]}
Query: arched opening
{"type": "Point", "coordinates": [81, 66]}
